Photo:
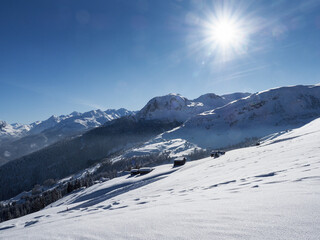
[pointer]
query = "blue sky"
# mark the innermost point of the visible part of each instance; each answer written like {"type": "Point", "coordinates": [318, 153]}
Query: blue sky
{"type": "Point", "coordinates": [62, 56]}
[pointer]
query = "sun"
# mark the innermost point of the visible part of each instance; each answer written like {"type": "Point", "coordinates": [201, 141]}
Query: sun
{"type": "Point", "coordinates": [226, 33]}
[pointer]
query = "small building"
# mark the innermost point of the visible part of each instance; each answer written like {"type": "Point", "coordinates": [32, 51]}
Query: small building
{"type": "Point", "coordinates": [179, 161]}
{"type": "Point", "coordinates": [145, 170]}
{"type": "Point", "coordinates": [134, 172]}
{"type": "Point", "coordinates": [216, 154]}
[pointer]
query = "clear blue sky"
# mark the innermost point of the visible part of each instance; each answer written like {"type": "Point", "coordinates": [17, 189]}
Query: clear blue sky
{"type": "Point", "coordinates": [59, 56]}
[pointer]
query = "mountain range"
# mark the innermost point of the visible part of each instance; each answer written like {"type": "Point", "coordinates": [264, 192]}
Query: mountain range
{"type": "Point", "coordinates": [238, 123]}
{"type": "Point", "coordinates": [170, 124]}
{"type": "Point", "coordinates": [17, 140]}
{"type": "Point", "coordinates": [254, 116]}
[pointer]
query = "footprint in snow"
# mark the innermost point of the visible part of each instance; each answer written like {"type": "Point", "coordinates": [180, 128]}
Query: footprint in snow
{"type": "Point", "coordinates": [223, 183]}
{"type": "Point", "coordinates": [155, 196]}
{"type": "Point", "coordinates": [107, 207]}
{"type": "Point", "coordinates": [271, 174]}
{"type": "Point", "coordinates": [27, 224]}
{"type": "Point", "coordinates": [93, 209]}
{"type": "Point", "coordinates": [7, 227]}
{"type": "Point", "coordinates": [243, 184]}
{"type": "Point", "coordinates": [119, 207]}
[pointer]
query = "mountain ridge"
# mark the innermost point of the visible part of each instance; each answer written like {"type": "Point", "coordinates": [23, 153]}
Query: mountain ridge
{"type": "Point", "coordinates": [17, 140]}
{"type": "Point", "coordinates": [256, 115]}
{"type": "Point", "coordinates": [218, 127]}
{"type": "Point", "coordinates": [176, 107]}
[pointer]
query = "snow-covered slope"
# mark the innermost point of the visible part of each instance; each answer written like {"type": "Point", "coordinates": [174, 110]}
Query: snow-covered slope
{"type": "Point", "coordinates": [255, 116]}
{"type": "Point", "coordinates": [173, 148]}
{"type": "Point", "coordinates": [213, 101]}
{"type": "Point", "coordinates": [176, 107]}
{"type": "Point", "coordinates": [235, 96]}
{"type": "Point", "coordinates": [266, 192]}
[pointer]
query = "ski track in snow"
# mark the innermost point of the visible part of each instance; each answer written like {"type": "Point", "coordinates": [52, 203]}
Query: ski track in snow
{"type": "Point", "coordinates": [269, 191]}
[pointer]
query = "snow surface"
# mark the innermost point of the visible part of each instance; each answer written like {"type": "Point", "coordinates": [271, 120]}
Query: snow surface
{"type": "Point", "coordinates": [269, 191]}
{"type": "Point", "coordinates": [158, 145]}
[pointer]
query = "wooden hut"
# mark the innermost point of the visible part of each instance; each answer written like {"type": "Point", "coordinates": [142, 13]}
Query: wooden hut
{"type": "Point", "coordinates": [134, 172]}
{"type": "Point", "coordinates": [179, 161]}
{"type": "Point", "coordinates": [145, 170]}
{"type": "Point", "coordinates": [216, 154]}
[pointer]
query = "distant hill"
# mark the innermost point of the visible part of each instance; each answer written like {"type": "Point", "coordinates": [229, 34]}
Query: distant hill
{"type": "Point", "coordinates": [17, 140]}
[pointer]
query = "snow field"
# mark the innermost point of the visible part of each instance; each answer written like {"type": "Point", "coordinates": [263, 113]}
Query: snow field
{"type": "Point", "coordinates": [269, 191]}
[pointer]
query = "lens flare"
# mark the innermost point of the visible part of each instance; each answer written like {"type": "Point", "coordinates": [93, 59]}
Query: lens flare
{"type": "Point", "coordinates": [227, 35]}
{"type": "Point", "coordinates": [225, 32]}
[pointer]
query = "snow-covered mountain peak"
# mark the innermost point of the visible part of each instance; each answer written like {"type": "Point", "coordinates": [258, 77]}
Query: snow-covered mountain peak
{"type": "Point", "coordinates": [2, 124]}
{"type": "Point", "coordinates": [254, 116]}
{"type": "Point", "coordinates": [75, 113]}
{"type": "Point", "coordinates": [12, 130]}
{"type": "Point", "coordinates": [174, 94]}
{"type": "Point", "coordinates": [54, 119]}
{"type": "Point", "coordinates": [168, 107]}
{"type": "Point", "coordinates": [39, 134]}
{"type": "Point", "coordinates": [169, 102]}
{"type": "Point", "coordinates": [94, 113]}
{"type": "Point", "coordinates": [206, 97]}
{"type": "Point", "coordinates": [40, 126]}
{"type": "Point", "coordinates": [176, 107]}
{"type": "Point", "coordinates": [211, 100]}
